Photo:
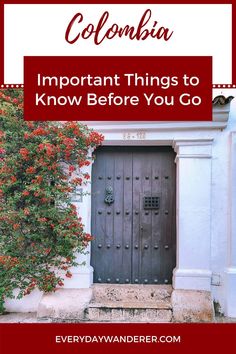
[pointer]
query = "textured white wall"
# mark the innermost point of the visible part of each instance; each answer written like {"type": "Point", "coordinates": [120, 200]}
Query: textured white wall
{"type": "Point", "coordinates": [222, 232]}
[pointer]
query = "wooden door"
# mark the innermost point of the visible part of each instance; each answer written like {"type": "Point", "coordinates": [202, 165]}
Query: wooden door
{"type": "Point", "coordinates": [133, 215]}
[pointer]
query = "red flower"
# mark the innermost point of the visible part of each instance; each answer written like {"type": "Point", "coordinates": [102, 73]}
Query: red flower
{"type": "Point", "coordinates": [68, 274]}
{"type": "Point", "coordinates": [13, 179]}
{"type": "Point", "coordinates": [95, 138]}
{"type": "Point", "coordinates": [72, 168]}
{"type": "Point", "coordinates": [16, 226]}
{"type": "Point", "coordinates": [25, 193]}
{"type": "Point", "coordinates": [26, 211]}
{"type": "Point", "coordinates": [39, 131]}
{"type": "Point", "coordinates": [39, 179]}
{"type": "Point", "coordinates": [30, 170]}
{"type": "Point", "coordinates": [50, 149]}
{"type": "Point", "coordinates": [36, 181]}
{"type": "Point", "coordinates": [42, 219]}
{"type": "Point", "coordinates": [30, 125]}
{"type": "Point", "coordinates": [2, 112]}
{"type": "Point", "coordinates": [68, 142]}
{"type": "Point", "coordinates": [24, 153]}
{"type": "Point", "coordinates": [77, 181]}
{"type": "Point", "coordinates": [89, 237]}
{"type": "Point", "coordinates": [84, 163]}
{"type": "Point", "coordinates": [41, 147]}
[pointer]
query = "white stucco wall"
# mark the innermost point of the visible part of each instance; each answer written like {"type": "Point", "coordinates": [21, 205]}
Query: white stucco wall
{"type": "Point", "coordinates": [222, 196]}
{"type": "Point", "coordinates": [211, 150]}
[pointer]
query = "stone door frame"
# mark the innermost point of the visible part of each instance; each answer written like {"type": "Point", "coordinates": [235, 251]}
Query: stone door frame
{"type": "Point", "coordinates": [193, 208]}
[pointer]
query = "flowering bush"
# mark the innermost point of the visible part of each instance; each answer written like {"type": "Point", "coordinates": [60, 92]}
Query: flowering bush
{"type": "Point", "coordinates": [40, 165]}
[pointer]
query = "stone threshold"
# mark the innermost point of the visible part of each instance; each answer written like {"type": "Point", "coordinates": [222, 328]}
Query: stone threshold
{"type": "Point", "coordinates": [129, 305]}
{"type": "Point", "coordinates": [118, 304]}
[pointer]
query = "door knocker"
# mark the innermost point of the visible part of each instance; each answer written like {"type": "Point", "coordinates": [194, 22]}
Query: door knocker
{"type": "Point", "coordinates": [109, 197]}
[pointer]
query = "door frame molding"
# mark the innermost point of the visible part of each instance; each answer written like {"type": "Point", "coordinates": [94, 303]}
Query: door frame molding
{"type": "Point", "coordinates": [193, 210]}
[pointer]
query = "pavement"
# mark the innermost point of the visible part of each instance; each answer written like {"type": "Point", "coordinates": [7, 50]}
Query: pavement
{"type": "Point", "coordinates": [31, 317]}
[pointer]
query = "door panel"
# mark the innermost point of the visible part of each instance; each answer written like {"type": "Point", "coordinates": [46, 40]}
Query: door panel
{"type": "Point", "coordinates": [134, 242]}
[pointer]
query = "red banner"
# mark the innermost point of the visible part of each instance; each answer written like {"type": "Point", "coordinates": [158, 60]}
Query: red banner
{"type": "Point", "coordinates": [118, 88]}
{"type": "Point", "coordinates": [123, 338]}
